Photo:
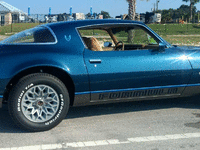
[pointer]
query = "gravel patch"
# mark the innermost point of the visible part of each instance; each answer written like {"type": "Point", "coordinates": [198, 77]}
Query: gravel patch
{"type": "Point", "coordinates": [2, 37]}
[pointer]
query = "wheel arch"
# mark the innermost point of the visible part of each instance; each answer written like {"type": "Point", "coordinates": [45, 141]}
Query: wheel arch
{"type": "Point", "coordinates": [55, 71]}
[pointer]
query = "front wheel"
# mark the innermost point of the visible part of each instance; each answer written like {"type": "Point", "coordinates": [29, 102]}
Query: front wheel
{"type": "Point", "coordinates": [38, 102]}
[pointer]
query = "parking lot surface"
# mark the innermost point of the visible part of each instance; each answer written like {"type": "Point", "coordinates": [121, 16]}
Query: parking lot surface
{"type": "Point", "coordinates": [153, 125]}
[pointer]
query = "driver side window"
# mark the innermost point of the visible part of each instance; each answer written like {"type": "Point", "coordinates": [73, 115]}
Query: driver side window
{"type": "Point", "coordinates": [117, 38]}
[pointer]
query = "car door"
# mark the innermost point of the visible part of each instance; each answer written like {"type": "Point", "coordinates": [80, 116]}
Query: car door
{"type": "Point", "coordinates": [136, 73]}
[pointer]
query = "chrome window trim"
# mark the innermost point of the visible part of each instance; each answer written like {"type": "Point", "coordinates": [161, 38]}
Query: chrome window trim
{"type": "Point", "coordinates": [1, 100]}
{"type": "Point", "coordinates": [47, 43]}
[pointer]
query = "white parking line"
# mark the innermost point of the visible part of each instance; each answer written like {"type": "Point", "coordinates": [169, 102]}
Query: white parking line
{"type": "Point", "coordinates": [106, 142]}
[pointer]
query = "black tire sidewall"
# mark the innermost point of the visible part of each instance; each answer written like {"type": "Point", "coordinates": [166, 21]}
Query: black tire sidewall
{"type": "Point", "coordinates": [23, 86]}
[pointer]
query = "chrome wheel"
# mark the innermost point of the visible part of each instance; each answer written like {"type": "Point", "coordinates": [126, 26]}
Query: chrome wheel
{"type": "Point", "coordinates": [40, 103]}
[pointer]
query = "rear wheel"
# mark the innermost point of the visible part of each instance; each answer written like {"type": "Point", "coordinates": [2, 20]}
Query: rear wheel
{"type": "Point", "coordinates": [38, 102]}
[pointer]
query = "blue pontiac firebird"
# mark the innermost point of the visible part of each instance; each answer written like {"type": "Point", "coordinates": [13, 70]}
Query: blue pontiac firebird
{"type": "Point", "coordinates": [46, 69]}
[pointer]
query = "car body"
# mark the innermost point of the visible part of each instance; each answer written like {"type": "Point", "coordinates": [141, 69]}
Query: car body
{"type": "Point", "coordinates": [46, 69]}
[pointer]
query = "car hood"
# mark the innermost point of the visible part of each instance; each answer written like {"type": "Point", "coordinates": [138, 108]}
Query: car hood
{"type": "Point", "coordinates": [190, 48]}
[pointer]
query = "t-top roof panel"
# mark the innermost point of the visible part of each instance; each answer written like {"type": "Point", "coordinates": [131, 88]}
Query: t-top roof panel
{"type": "Point", "coordinates": [5, 7]}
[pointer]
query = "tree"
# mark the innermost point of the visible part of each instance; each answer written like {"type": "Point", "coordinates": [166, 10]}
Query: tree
{"type": "Point", "coordinates": [132, 9]}
{"type": "Point", "coordinates": [192, 2]}
{"type": "Point", "coordinates": [105, 14]}
{"type": "Point", "coordinates": [88, 15]}
{"type": "Point", "coordinates": [183, 12]}
{"type": "Point", "coordinates": [131, 14]}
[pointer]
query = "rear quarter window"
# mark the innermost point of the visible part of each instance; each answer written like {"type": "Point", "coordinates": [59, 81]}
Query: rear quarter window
{"type": "Point", "coordinates": [34, 35]}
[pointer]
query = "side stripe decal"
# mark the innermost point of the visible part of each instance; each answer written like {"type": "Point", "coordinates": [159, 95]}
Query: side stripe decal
{"type": "Point", "coordinates": [137, 89]}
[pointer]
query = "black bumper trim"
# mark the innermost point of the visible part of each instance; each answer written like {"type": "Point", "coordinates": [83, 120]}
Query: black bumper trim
{"type": "Point", "coordinates": [1, 100]}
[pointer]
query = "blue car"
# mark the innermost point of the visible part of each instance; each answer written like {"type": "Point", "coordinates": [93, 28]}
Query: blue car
{"type": "Point", "coordinates": [47, 69]}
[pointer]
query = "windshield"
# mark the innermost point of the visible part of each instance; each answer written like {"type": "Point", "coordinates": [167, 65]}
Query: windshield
{"type": "Point", "coordinates": [34, 35]}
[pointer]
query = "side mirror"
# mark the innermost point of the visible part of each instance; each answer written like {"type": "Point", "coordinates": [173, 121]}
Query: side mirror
{"type": "Point", "coordinates": [162, 46]}
{"type": "Point", "coordinates": [107, 44]}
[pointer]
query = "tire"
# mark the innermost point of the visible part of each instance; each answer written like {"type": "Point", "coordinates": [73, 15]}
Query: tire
{"type": "Point", "coordinates": [38, 102]}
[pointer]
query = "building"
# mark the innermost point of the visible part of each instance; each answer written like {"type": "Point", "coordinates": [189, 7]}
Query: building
{"type": "Point", "coordinates": [51, 18]}
{"type": "Point", "coordinates": [10, 14]}
{"type": "Point", "coordinates": [152, 17]}
{"type": "Point", "coordinates": [78, 16]}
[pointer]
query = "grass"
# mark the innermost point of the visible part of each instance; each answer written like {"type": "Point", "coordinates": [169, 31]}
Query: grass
{"type": "Point", "coordinates": [175, 29]}
{"type": "Point", "coordinates": [165, 30]}
{"type": "Point", "coordinates": [16, 27]}
{"type": "Point", "coordinates": [182, 40]}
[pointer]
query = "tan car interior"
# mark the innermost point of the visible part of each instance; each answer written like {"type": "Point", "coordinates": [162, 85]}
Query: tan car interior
{"type": "Point", "coordinates": [92, 43]}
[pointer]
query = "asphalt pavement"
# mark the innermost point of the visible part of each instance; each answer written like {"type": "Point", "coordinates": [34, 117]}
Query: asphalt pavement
{"type": "Point", "coordinates": [152, 125]}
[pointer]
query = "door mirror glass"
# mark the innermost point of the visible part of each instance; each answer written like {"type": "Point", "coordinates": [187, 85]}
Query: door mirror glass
{"type": "Point", "coordinates": [107, 44]}
{"type": "Point", "coordinates": [162, 46]}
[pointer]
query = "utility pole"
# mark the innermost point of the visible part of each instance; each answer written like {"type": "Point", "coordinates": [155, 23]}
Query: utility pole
{"type": "Point", "coordinates": [49, 10]}
{"type": "Point", "coordinates": [70, 11]}
{"type": "Point", "coordinates": [191, 7]}
{"type": "Point", "coordinates": [29, 10]}
{"type": "Point", "coordinates": [91, 12]}
{"type": "Point", "coordinates": [157, 1]}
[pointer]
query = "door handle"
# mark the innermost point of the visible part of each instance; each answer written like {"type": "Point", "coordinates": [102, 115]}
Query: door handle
{"type": "Point", "coordinates": [95, 60]}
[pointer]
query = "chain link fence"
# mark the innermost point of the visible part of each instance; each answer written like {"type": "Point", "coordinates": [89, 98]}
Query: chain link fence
{"type": "Point", "coordinates": [20, 23]}
{"type": "Point", "coordinates": [16, 23]}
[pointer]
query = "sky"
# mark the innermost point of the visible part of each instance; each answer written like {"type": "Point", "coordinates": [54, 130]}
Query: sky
{"type": "Point", "coordinates": [114, 7]}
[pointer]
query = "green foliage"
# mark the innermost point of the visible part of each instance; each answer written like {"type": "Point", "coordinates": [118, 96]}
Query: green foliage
{"type": "Point", "coordinates": [194, 1]}
{"type": "Point", "coordinates": [122, 34]}
{"type": "Point", "coordinates": [183, 12]}
{"type": "Point", "coordinates": [105, 14]}
{"type": "Point", "coordinates": [94, 14]}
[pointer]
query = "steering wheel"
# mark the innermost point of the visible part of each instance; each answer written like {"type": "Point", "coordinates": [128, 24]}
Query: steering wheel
{"type": "Point", "coordinates": [119, 46]}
